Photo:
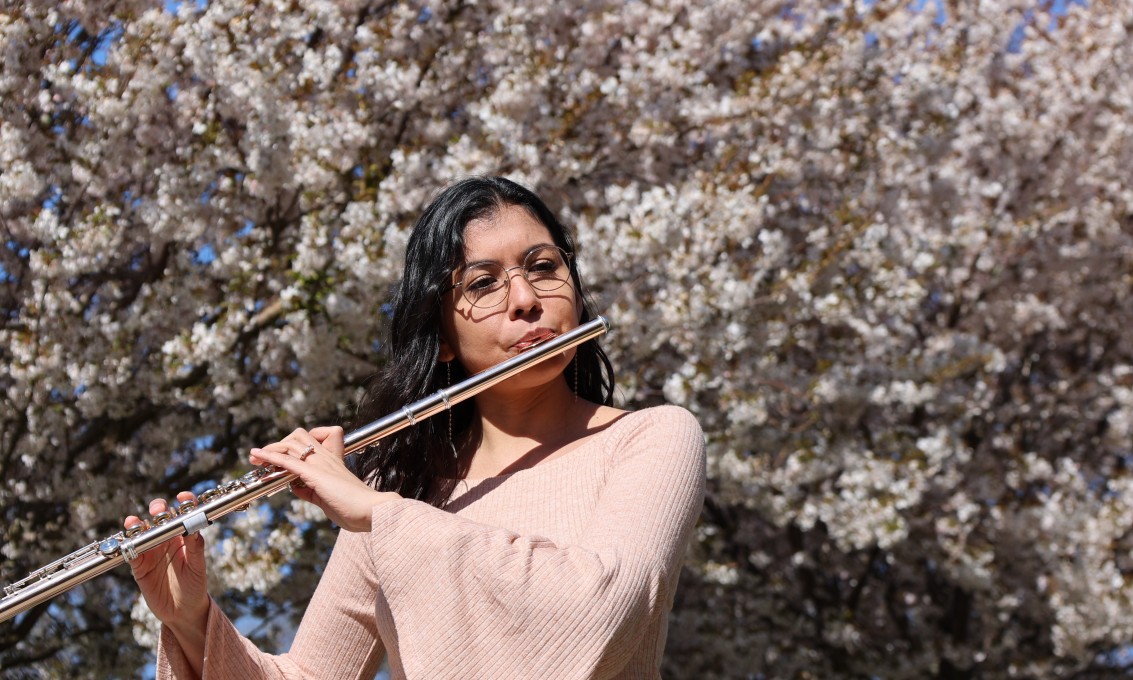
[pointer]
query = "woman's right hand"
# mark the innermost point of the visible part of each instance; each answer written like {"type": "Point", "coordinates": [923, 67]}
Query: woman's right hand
{"type": "Point", "coordinates": [172, 576]}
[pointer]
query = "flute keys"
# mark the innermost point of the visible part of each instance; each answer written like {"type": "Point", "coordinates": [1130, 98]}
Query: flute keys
{"type": "Point", "coordinates": [185, 507]}
{"type": "Point", "coordinates": [161, 518]}
{"type": "Point", "coordinates": [135, 529]}
{"type": "Point", "coordinates": [109, 547]}
{"type": "Point", "coordinates": [208, 496]}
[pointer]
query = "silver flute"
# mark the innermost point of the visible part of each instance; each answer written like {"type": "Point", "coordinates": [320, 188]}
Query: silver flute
{"type": "Point", "coordinates": [192, 516]}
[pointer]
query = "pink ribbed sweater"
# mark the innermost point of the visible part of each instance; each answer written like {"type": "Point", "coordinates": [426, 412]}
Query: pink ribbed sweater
{"type": "Point", "coordinates": [563, 570]}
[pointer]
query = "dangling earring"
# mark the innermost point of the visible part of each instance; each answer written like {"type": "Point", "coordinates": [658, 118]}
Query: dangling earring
{"type": "Point", "coordinates": [448, 383]}
{"type": "Point", "coordinates": [575, 362]}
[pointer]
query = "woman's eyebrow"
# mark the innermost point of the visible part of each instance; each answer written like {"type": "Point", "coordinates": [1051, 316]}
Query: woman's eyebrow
{"type": "Point", "coordinates": [477, 263]}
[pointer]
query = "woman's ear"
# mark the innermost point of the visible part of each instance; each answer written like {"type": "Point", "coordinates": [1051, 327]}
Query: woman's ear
{"type": "Point", "coordinates": [446, 354]}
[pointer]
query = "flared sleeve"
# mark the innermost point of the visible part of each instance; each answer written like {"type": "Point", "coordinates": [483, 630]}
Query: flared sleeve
{"type": "Point", "coordinates": [336, 639]}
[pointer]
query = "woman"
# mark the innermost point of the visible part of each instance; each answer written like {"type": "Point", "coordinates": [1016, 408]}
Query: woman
{"type": "Point", "coordinates": [534, 532]}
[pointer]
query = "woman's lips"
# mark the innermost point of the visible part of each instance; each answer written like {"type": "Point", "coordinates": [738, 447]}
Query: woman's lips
{"type": "Point", "coordinates": [534, 338]}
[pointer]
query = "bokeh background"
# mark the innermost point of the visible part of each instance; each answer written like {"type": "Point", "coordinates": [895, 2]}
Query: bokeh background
{"type": "Point", "coordinates": [882, 249]}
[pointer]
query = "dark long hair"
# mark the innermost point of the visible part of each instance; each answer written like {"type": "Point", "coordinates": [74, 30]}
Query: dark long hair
{"type": "Point", "coordinates": [418, 462]}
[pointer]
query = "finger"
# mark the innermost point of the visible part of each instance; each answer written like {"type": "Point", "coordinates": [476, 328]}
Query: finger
{"type": "Point", "coordinates": [134, 521]}
{"type": "Point", "coordinates": [271, 452]}
{"type": "Point", "coordinates": [300, 449]}
{"type": "Point", "coordinates": [151, 560]}
{"type": "Point", "coordinates": [300, 435]}
{"type": "Point", "coordinates": [276, 447]}
{"type": "Point", "coordinates": [332, 437]}
{"type": "Point", "coordinates": [258, 456]}
{"type": "Point", "coordinates": [284, 459]}
{"type": "Point", "coordinates": [288, 445]}
{"type": "Point", "coordinates": [308, 494]}
{"type": "Point", "coordinates": [194, 544]}
{"type": "Point", "coordinates": [303, 492]}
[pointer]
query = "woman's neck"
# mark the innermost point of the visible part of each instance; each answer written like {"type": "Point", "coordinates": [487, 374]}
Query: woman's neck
{"type": "Point", "coordinates": [511, 432]}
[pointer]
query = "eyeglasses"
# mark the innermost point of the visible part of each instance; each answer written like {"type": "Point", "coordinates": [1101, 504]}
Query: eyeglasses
{"type": "Point", "coordinates": [488, 284]}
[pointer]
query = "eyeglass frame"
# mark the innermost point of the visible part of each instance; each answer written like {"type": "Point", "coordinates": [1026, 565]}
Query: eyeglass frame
{"type": "Point", "coordinates": [568, 259]}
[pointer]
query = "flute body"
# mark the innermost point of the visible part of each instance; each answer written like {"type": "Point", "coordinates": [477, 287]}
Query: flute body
{"type": "Point", "coordinates": [101, 556]}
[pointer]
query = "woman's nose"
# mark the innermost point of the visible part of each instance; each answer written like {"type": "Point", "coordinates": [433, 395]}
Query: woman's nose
{"type": "Point", "coordinates": [522, 297]}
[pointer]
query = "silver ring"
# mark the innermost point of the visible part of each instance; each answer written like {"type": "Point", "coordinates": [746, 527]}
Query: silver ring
{"type": "Point", "coordinates": [306, 452]}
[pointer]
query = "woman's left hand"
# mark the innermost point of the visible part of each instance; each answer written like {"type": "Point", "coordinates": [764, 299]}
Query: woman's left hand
{"type": "Point", "coordinates": [316, 456]}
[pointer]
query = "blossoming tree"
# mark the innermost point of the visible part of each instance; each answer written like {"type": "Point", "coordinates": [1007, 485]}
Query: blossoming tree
{"type": "Point", "coordinates": [882, 250]}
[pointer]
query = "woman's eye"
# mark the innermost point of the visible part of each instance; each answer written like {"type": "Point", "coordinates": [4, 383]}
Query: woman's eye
{"type": "Point", "coordinates": [482, 284]}
{"type": "Point", "coordinates": [543, 266]}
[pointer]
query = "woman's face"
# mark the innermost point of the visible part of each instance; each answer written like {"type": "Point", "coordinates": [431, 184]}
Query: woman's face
{"type": "Point", "coordinates": [480, 337]}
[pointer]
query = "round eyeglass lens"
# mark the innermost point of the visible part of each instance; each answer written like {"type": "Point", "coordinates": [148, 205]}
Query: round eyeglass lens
{"type": "Point", "coordinates": [487, 285]}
